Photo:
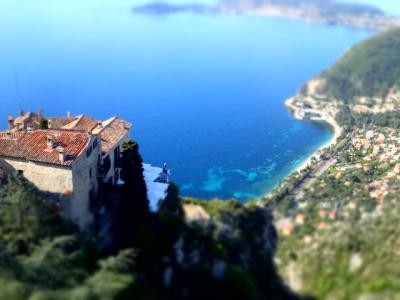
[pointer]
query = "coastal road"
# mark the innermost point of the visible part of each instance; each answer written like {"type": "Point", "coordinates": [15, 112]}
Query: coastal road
{"type": "Point", "coordinates": [321, 168]}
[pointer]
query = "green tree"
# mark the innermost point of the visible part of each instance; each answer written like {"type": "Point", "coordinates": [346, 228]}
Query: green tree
{"type": "Point", "coordinates": [171, 207]}
{"type": "Point", "coordinates": [23, 212]}
{"type": "Point", "coordinates": [133, 218]}
{"type": "Point", "coordinates": [44, 123]}
{"type": "Point", "coordinates": [132, 175]}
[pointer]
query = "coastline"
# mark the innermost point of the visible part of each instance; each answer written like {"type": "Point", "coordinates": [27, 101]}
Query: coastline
{"type": "Point", "coordinates": [299, 113]}
{"type": "Point", "coordinates": [364, 22]}
{"type": "Point", "coordinates": [376, 20]}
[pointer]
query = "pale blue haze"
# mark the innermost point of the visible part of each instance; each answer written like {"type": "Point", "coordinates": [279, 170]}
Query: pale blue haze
{"type": "Point", "coordinates": [204, 93]}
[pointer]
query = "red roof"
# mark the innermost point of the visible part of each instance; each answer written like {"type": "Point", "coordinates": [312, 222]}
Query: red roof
{"type": "Point", "coordinates": [28, 117]}
{"type": "Point", "coordinates": [112, 132]}
{"type": "Point", "coordinates": [82, 122]}
{"type": "Point", "coordinates": [56, 123]}
{"type": "Point", "coordinates": [32, 146]}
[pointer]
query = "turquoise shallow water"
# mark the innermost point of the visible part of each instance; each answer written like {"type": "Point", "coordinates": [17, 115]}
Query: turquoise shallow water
{"type": "Point", "coordinates": [204, 93]}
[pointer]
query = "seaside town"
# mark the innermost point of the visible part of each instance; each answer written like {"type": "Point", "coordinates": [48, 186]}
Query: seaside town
{"type": "Point", "coordinates": [352, 181]}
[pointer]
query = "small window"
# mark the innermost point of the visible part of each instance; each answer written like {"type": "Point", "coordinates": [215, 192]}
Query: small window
{"type": "Point", "coordinates": [107, 164]}
{"type": "Point", "coordinates": [117, 153]}
{"type": "Point", "coordinates": [90, 173]}
{"type": "Point", "coordinates": [2, 175]}
{"type": "Point", "coordinates": [89, 152]}
{"type": "Point", "coordinates": [20, 173]}
{"type": "Point", "coordinates": [95, 143]}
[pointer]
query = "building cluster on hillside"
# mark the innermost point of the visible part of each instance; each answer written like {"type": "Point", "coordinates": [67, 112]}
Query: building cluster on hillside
{"type": "Point", "coordinates": [365, 179]}
{"type": "Point", "coordinates": [378, 104]}
{"type": "Point", "coordinates": [383, 147]}
{"type": "Point", "coordinates": [66, 157]}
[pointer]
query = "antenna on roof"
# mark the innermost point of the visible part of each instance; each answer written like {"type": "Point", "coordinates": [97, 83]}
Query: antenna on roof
{"type": "Point", "coordinates": [17, 90]}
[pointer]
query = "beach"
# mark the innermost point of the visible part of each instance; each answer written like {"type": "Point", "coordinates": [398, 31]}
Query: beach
{"type": "Point", "coordinates": [327, 117]}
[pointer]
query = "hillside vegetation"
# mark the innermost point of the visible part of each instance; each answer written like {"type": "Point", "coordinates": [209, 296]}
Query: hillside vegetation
{"type": "Point", "coordinates": [371, 69]}
{"type": "Point", "coordinates": [148, 255]}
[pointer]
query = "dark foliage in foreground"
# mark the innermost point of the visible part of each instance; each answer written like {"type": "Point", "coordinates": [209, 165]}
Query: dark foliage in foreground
{"type": "Point", "coordinates": [227, 256]}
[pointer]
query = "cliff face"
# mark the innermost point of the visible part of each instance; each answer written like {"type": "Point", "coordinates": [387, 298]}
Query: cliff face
{"type": "Point", "coordinates": [229, 237]}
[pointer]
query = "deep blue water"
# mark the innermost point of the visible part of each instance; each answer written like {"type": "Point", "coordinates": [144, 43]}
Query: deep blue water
{"type": "Point", "coordinates": [204, 93]}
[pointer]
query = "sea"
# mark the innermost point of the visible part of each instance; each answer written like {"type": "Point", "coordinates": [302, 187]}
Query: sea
{"type": "Point", "coordinates": [205, 93]}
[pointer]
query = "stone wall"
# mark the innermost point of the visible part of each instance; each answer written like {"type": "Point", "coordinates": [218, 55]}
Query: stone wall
{"type": "Point", "coordinates": [85, 182]}
{"type": "Point", "coordinates": [111, 174]}
{"type": "Point", "coordinates": [70, 186]}
{"type": "Point", "coordinates": [47, 178]}
{"type": "Point", "coordinates": [55, 181]}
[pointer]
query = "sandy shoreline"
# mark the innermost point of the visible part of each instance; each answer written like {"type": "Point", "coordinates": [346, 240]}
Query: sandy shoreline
{"type": "Point", "coordinates": [298, 113]}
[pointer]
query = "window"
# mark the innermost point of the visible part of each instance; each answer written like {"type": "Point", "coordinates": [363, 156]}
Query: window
{"type": "Point", "coordinates": [90, 173]}
{"type": "Point", "coordinates": [92, 200]}
{"type": "Point", "coordinates": [106, 164]}
{"type": "Point", "coordinates": [117, 157]}
{"type": "Point", "coordinates": [117, 153]}
{"type": "Point", "coordinates": [89, 151]}
{"type": "Point", "coordinates": [2, 175]}
{"type": "Point", "coordinates": [95, 143]}
{"type": "Point", "coordinates": [20, 173]}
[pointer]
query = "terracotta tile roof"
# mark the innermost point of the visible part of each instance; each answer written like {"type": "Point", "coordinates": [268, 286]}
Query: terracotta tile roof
{"type": "Point", "coordinates": [32, 146]}
{"type": "Point", "coordinates": [56, 123]}
{"type": "Point", "coordinates": [112, 132]}
{"type": "Point", "coordinates": [29, 117]}
{"type": "Point", "coordinates": [82, 122]}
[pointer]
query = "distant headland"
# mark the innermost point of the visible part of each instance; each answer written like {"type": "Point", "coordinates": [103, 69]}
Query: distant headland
{"type": "Point", "coordinates": [329, 12]}
{"type": "Point", "coordinates": [162, 8]}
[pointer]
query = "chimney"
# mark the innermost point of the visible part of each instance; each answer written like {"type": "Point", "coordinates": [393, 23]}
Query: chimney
{"type": "Point", "coordinates": [10, 122]}
{"type": "Point", "coordinates": [61, 154]}
{"type": "Point", "coordinates": [69, 115]}
{"type": "Point", "coordinates": [21, 113]}
{"type": "Point", "coordinates": [50, 142]}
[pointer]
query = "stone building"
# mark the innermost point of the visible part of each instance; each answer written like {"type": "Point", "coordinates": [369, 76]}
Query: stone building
{"type": "Point", "coordinates": [61, 163]}
{"type": "Point", "coordinates": [113, 133]}
{"type": "Point", "coordinates": [68, 161]}
{"type": "Point", "coordinates": [24, 121]}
